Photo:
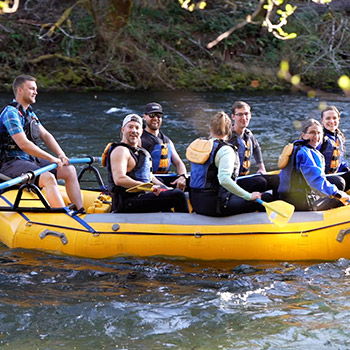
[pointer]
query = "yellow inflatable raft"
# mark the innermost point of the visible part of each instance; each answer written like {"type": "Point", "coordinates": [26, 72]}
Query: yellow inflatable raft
{"type": "Point", "coordinates": [26, 223]}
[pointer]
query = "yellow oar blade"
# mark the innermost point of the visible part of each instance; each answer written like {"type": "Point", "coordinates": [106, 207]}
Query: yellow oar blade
{"type": "Point", "coordinates": [279, 212]}
{"type": "Point", "coordinates": [146, 187]}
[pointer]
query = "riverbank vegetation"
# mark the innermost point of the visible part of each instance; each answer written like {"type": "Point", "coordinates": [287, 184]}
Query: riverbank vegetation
{"type": "Point", "coordinates": [130, 45]}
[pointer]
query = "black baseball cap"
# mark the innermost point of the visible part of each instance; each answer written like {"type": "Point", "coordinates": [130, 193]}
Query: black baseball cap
{"type": "Point", "coordinates": [153, 107]}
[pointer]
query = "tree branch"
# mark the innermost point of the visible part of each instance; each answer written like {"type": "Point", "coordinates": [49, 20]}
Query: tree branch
{"type": "Point", "coordinates": [240, 25]}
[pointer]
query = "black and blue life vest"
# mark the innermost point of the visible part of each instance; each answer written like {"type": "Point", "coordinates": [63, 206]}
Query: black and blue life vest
{"type": "Point", "coordinates": [291, 180]}
{"type": "Point", "coordinates": [205, 176]}
{"type": "Point", "coordinates": [332, 149]}
{"type": "Point", "coordinates": [31, 128]}
{"type": "Point", "coordinates": [160, 150]}
{"type": "Point", "coordinates": [245, 150]}
{"type": "Point", "coordinates": [141, 172]}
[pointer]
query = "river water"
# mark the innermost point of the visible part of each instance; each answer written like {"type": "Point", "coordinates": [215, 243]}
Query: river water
{"type": "Point", "coordinates": [57, 302]}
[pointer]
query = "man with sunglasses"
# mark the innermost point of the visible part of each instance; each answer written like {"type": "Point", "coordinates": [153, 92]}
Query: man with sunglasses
{"type": "Point", "coordinates": [160, 147]}
{"type": "Point", "coordinates": [248, 146]}
{"type": "Point", "coordinates": [130, 166]}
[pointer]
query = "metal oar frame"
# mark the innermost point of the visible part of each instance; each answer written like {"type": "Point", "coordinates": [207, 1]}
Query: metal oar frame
{"type": "Point", "coordinates": [28, 185]}
{"type": "Point", "coordinates": [89, 168]}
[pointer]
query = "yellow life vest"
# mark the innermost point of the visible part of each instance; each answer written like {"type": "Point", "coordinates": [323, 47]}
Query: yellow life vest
{"type": "Point", "coordinates": [285, 155]}
{"type": "Point", "coordinates": [105, 154]}
{"type": "Point", "coordinates": [199, 151]}
{"type": "Point", "coordinates": [335, 157]}
{"type": "Point", "coordinates": [246, 159]}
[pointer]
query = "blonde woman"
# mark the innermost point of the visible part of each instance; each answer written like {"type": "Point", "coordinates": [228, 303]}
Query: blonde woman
{"type": "Point", "coordinates": [213, 189]}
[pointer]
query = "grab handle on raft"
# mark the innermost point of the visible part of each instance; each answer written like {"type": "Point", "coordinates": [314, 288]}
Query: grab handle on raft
{"type": "Point", "coordinates": [59, 235]}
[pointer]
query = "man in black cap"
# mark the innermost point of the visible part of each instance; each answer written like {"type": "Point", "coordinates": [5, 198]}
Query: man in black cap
{"type": "Point", "coordinates": [162, 149]}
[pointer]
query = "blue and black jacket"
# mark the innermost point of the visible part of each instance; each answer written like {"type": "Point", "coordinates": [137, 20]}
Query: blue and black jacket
{"type": "Point", "coordinates": [304, 176]}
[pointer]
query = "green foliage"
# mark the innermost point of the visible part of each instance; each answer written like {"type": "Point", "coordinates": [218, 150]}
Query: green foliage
{"type": "Point", "coordinates": [165, 48]}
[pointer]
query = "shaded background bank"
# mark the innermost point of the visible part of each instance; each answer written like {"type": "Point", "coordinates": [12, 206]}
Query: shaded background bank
{"type": "Point", "coordinates": [138, 45]}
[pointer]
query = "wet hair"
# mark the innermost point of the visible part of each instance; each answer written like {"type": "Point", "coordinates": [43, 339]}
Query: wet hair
{"type": "Point", "coordinates": [220, 124]}
{"type": "Point", "coordinates": [19, 81]}
{"type": "Point", "coordinates": [335, 109]}
{"type": "Point", "coordinates": [239, 104]}
{"type": "Point", "coordinates": [309, 122]}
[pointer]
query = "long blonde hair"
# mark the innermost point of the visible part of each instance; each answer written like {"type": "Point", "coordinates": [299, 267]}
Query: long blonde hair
{"type": "Point", "coordinates": [220, 125]}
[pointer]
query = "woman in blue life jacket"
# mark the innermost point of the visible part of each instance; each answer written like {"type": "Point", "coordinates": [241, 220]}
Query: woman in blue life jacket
{"type": "Point", "coordinates": [303, 182]}
{"type": "Point", "coordinates": [213, 189]}
{"type": "Point", "coordinates": [333, 148]}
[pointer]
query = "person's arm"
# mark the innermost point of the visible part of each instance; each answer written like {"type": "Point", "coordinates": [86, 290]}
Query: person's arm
{"type": "Point", "coordinates": [225, 160]}
{"type": "Point", "coordinates": [14, 127]}
{"type": "Point", "coordinates": [32, 149]}
{"type": "Point", "coordinates": [258, 155]}
{"type": "Point", "coordinates": [343, 165]}
{"type": "Point", "coordinates": [52, 144]}
{"type": "Point", "coordinates": [119, 158]}
{"type": "Point", "coordinates": [262, 169]}
{"type": "Point", "coordinates": [180, 182]}
{"type": "Point", "coordinates": [313, 173]}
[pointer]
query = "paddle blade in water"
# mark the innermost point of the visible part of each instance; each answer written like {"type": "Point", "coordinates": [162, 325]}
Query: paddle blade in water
{"type": "Point", "coordinates": [279, 212]}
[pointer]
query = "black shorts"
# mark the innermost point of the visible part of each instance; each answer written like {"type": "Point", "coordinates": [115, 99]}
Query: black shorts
{"type": "Point", "coordinates": [17, 167]}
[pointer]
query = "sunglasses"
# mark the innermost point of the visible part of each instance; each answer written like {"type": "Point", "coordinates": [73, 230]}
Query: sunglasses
{"type": "Point", "coordinates": [154, 115]}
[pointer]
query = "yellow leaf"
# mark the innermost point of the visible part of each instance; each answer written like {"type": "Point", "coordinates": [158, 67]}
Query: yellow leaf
{"type": "Point", "coordinates": [292, 36]}
{"type": "Point", "coordinates": [284, 66]}
{"type": "Point", "coordinates": [289, 7]}
{"type": "Point", "coordinates": [202, 5]}
{"type": "Point", "coordinates": [311, 93]}
{"type": "Point", "coordinates": [322, 105]}
{"type": "Point", "coordinates": [344, 82]}
{"type": "Point", "coordinates": [295, 80]}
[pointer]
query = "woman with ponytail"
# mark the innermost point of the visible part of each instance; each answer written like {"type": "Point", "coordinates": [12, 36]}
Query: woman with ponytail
{"type": "Point", "coordinates": [213, 187]}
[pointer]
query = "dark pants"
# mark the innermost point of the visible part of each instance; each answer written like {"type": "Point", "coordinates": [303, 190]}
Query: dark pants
{"type": "Point", "coordinates": [346, 177]}
{"type": "Point", "coordinates": [237, 205]}
{"type": "Point", "coordinates": [148, 202]}
{"type": "Point", "coordinates": [260, 183]}
{"type": "Point", "coordinates": [339, 181]}
{"type": "Point", "coordinates": [17, 167]}
{"type": "Point", "coordinates": [303, 203]}
{"type": "Point", "coordinates": [223, 203]}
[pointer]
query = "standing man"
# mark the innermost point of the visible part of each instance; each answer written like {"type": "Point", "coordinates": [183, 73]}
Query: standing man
{"type": "Point", "coordinates": [247, 146]}
{"type": "Point", "coordinates": [128, 166]}
{"type": "Point", "coordinates": [20, 129]}
{"type": "Point", "coordinates": [162, 149]}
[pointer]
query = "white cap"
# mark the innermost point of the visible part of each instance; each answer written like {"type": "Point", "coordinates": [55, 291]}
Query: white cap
{"type": "Point", "coordinates": [132, 118]}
